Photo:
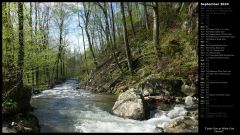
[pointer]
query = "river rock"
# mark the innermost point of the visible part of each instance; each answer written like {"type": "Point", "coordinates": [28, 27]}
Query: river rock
{"type": "Point", "coordinates": [8, 130]}
{"type": "Point", "coordinates": [193, 114]}
{"type": "Point", "coordinates": [189, 100]}
{"type": "Point", "coordinates": [157, 86]}
{"type": "Point", "coordinates": [182, 126]}
{"type": "Point", "coordinates": [129, 105]}
{"type": "Point", "coordinates": [159, 129]}
{"type": "Point", "coordinates": [189, 90]}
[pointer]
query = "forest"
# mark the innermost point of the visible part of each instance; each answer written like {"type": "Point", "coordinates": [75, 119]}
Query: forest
{"type": "Point", "coordinates": [143, 53]}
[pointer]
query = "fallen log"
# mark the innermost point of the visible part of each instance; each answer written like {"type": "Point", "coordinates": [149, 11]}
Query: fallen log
{"type": "Point", "coordinates": [161, 98]}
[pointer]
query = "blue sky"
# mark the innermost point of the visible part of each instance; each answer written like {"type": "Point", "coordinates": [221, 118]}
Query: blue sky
{"type": "Point", "coordinates": [74, 32]}
{"type": "Point", "coordinates": [74, 35]}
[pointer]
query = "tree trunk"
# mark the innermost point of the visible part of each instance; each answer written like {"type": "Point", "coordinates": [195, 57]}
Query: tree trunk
{"type": "Point", "coordinates": [137, 11]}
{"type": "Point", "coordinates": [128, 52]}
{"type": "Point", "coordinates": [36, 40]}
{"type": "Point", "coordinates": [20, 58]}
{"type": "Point", "coordinates": [130, 16]}
{"type": "Point", "coordinates": [8, 26]}
{"type": "Point", "coordinates": [90, 46]}
{"type": "Point", "coordinates": [146, 15]}
{"type": "Point", "coordinates": [114, 41]}
{"type": "Point", "coordinates": [85, 55]}
{"type": "Point", "coordinates": [156, 30]}
{"type": "Point", "coordinates": [87, 13]}
{"type": "Point", "coordinates": [37, 76]}
{"type": "Point", "coordinates": [36, 15]}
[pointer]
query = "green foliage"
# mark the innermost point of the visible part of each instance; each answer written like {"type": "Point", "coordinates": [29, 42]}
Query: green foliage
{"type": "Point", "coordinates": [9, 105]}
{"type": "Point", "coordinates": [178, 48]}
{"type": "Point", "coordinates": [184, 12]}
{"type": "Point", "coordinates": [145, 71]}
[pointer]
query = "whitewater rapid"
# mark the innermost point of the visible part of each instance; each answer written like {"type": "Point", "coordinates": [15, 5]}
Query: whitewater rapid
{"type": "Point", "coordinates": [66, 109]}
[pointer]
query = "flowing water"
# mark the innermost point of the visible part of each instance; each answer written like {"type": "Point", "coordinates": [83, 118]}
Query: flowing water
{"type": "Point", "coordinates": [66, 109]}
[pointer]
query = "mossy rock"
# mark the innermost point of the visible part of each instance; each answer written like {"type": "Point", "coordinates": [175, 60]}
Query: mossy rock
{"type": "Point", "coordinates": [189, 90]}
{"type": "Point", "coordinates": [181, 125]}
{"type": "Point", "coordinates": [120, 90]}
{"type": "Point", "coordinates": [153, 85]}
{"type": "Point", "coordinates": [130, 105]}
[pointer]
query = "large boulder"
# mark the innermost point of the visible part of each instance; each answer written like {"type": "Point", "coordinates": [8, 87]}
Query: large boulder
{"type": "Point", "coordinates": [130, 105]}
{"type": "Point", "coordinates": [156, 86]}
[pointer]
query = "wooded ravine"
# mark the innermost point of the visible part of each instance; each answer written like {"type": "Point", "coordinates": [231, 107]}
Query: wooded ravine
{"type": "Point", "coordinates": [132, 62]}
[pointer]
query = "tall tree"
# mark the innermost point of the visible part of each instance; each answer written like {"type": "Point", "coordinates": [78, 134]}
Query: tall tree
{"type": "Point", "coordinates": [128, 51]}
{"type": "Point", "coordinates": [8, 36]}
{"type": "Point", "coordinates": [87, 12]}
{"type": "Point", "coordinates": [114, 39]}
{"type": "Point", "coordinates": [156, 29]}
{"type": "Point", "coordinates": [61, 17]}
{"type": "Point", "coordinates": [129, 5]}
{"type": "Point", "coordinates": [20, 58]}
{"type": "Point", "coordinates": [36, 39]}
{"type": "Point", "coordinates": [146, 16]}
{"type": "Point", "coordinates": [109, 39]}
{"type": "Point", "coordinates": [31, 35]}
{"type": "Point", "coordinates": [85, 55]}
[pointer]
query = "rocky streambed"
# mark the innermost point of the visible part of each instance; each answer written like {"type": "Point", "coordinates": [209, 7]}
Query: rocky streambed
{"type": "Point", "coordinates": [67, 109]}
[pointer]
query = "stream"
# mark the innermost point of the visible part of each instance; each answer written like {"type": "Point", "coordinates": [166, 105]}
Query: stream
{"type": "Point", "coordinates": [66, 109]}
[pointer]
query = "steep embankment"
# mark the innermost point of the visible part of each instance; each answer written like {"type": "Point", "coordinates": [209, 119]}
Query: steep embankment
{"type": "Point", "coordinates": [177, 64]}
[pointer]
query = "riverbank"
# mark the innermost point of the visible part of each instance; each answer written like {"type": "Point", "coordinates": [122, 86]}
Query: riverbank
{"type": "Point", "coordinates": [152, 96]}
{"type": "Point", "coordinates": [67, 109]}
{"type": "Point", "coordinates": [20, 123]}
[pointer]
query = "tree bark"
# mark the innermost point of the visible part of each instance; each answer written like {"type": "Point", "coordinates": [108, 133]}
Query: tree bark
{"type": "Point", "coordinates": [87, 15]}
{"type": "Point", "coordinates": [156, 30]}
{"type": "Point", "coordinates": [146, 16]}
{"type": "Point", "coordinates": [130, 16]}
{"type": "Point", "coordinates": [20, 58]}
{"type": "Point", "coordinates": [114, 41]}
{"type": "Point", "coordinates": [85, 55]}
{"type": "Point", "coordinates": [128, 51]}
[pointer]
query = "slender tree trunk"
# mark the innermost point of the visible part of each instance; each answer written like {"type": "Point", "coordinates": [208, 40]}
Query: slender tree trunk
{"type": "Point", "coordinates": [36, 15]}
{"type": "Point", "coordinates": [7, 24]}
{"type": "Point", "coordinates": [85, 55]}
{"type": "Point", "coordinates": [57, 63]}
{"type": "Point", "coordinates": [90, 46]}
{"type": "Point", "coordinates": [118, 29]}
{"type": "Point", "coordinates": [37, 76]}
{"type": "Point", "coordinates": [46, 42]}
{"type": "Point", "coordinates": [31, 41]}
{"type": "Point", "coordinates": [137, 10]}
{"type": "Point", "coordinates": [107, 33]}
{"type": "Point", "coordinates": [87, 15]}
{"type": "Point", "coordinates": [156, 30]}
{"type": "Point", "coordinates": [100, 39]}
{"type": "Point", "coordinates": [114, 41]}
{"type": "Point", "coordinates": [130, 16]}
{"type": "Point", "coordinates": [146, 16]}
{"type": "Point", "coordinates": [63, 67]}
{"type": "Point", "coordinates": [36, 40]}
{"type": "Point", "coordinates": [128, 52]}
{"type": "Point", "coordinates": [60, 46]}
{"type": "Point", "coordinates": [20, 58]}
